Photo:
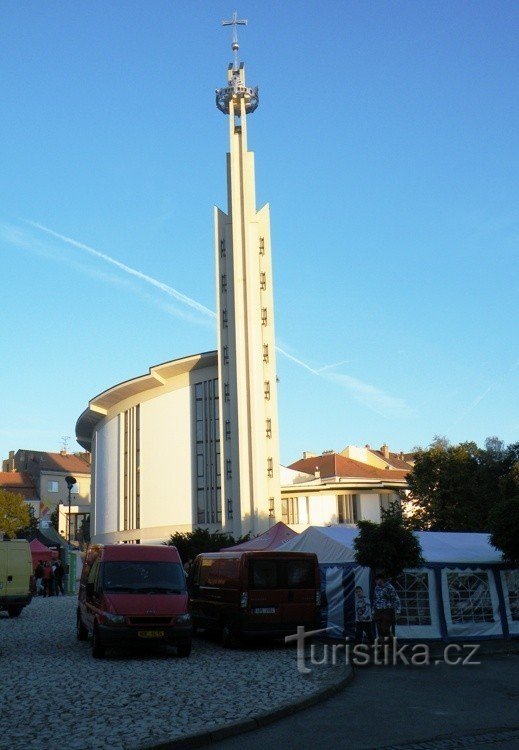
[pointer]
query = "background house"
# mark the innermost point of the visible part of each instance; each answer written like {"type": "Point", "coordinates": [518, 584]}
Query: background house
{"type": "Point", "coordinates": [47, 472]}
{"type": "Point", "coordinates": [333, 488]}
{"type": "Point", "coordinates": [20, 483]}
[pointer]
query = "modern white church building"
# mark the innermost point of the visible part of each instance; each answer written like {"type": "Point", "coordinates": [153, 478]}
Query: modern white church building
{"type": "Point", "coordinates": [195, 441]}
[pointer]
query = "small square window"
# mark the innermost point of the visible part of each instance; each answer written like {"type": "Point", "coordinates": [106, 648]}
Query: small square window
{"type": "Point", "coordinates": [52, 486]}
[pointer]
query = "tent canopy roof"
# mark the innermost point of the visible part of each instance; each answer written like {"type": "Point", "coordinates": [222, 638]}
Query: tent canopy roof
{"type": "Point", "coordinates": [274, 538]}
{"type": "Point", "coordinates": [40, 552]}
{"type": "Point", "coordinates": [334, 544]}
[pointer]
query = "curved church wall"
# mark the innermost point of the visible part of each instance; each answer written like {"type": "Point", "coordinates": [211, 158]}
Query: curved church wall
{"type": "Point", "coordinates": [146, 468]}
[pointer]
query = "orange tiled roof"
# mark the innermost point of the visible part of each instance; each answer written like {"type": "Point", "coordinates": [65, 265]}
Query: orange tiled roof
{"type": "Point", "coordinates": [19, 483]}
{"type": "Point", "coordinates": [334, 465]}
{"type": "Point", "coordinates": [394, 460]}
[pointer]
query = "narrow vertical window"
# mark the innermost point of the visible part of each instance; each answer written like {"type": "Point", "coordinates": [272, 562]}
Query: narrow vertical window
{"type": "Point", "coordinates": [226, 392]}
{"type": "Point", "coordinates": [222, 249]}
{"type": "Point", "coordinates": [224, 318]}
{"type": "Point", "coordinates": [227, 430]}
{"type": "Point", "coordinates": [226, 355]}
{"type": "Point", "coordinates": [228, 468]}
{"type": "Point", "coordinates": [269, 428]}
{"type": "Point", "coordinates": [262, 245]}
{"type": "Point", "coordinates": [263, 280]}
{"type": "Point", "coordinates": [264, 316]}
{"type": "Point", "coordinates": [224, 282]}
{"type": "Point", "coordinates": [271, 507]}
{"type": "Point", "coordinates": [267, 390]}
{"type": "Point", "coordinates": [229, 508]}
{"type": "Point", "coordinates": [265, 353]}
{"type": "Point", "coordinates": [270, 467]}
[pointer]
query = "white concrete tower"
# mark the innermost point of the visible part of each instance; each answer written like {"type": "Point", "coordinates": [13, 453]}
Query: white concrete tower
{"type": "Point", "coordinates": [250, 496]}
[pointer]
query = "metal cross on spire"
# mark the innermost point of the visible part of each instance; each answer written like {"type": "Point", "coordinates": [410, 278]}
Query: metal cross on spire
{"type": "Point", "coordinates": [235, 22]}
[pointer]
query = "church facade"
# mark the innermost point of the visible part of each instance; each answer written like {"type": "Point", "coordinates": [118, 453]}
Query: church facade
{"type": "Point", "coordinates": [195, 442]}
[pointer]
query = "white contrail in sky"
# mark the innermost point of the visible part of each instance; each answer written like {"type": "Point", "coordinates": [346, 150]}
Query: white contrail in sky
{"type": "Point", "coordinates": [372, 397]}
{"type": "Point", "coordinates": [128, 269]}
{"type": "Point", "coordinates": [481, 396]}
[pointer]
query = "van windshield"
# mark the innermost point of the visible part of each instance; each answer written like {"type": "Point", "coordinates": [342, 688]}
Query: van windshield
{"type": "Point", "coordinates": [144, 577]}
{"type": "Point", "coordinates": [268, 573]}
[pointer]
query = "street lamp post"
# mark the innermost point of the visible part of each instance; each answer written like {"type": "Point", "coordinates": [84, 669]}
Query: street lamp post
{"type": "Point", "coordinates": [71, 481]}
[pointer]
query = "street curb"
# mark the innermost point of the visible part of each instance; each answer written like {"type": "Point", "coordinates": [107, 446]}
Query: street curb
{"type": "Point", "coordinates": [255, 722]}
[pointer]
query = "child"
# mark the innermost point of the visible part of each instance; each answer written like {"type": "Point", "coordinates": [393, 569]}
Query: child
{"type": "Point", "coordinates": [362, 617]}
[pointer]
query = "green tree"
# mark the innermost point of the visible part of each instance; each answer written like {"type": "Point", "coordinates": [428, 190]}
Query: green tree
{"type": "Point", "coordinates": [32, 526]}
{"type": "Point", "coordinates": [14, 513]}
{"type": "Point", "coordinates": [453, 487]}
{"type": "Point", "coordinates": [192, 543]}
{"type": "Point", "coordinates": [84, 533]}
{"type": "Point", "coordinates": [387, 546]}
{"type": "Point", "coordinates": [504, 528]}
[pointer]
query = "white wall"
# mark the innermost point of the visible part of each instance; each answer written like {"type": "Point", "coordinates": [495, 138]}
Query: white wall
{"type": "Point", "coordinates": [166, 459]}
{"type": "Point", "coordinates": [323, 510]}
{"type": "Point", "coordinates": [370, 507]}
{"type": "Point", "coordinates": [107, 477]}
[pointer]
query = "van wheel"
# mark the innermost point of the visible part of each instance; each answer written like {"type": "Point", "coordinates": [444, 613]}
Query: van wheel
{"type": "Point", "coordinates": [14, 611]}
{"type": "Point", "coordinates": [229, 640]}
{"type": "Point", "coordinates": [184, 649]}
{"type": "Point", "coordinates": [98, 648]}
{"type": "Point", "coordinates": [81, 631]}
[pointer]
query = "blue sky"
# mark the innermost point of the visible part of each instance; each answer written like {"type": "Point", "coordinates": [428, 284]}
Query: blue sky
{"type": "Point", "coordinates": [386, 143]}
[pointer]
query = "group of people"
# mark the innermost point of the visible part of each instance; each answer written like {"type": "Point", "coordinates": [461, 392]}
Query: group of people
{"type": "Point", "coordinates": [382, 611]}
{"type": "Point", "coordinates": [49, 578]}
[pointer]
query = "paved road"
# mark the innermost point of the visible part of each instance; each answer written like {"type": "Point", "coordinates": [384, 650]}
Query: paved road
{"type": "Point", "coordinates": [53, 694]}
{"type": "Point", "coordinates": [397, 706]}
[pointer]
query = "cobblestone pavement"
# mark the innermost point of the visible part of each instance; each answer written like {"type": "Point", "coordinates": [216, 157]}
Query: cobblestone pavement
{"type": "Point", "coordinates": [54, 694]}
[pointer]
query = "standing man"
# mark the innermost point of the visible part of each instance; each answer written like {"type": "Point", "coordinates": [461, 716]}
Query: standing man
{"type": "Point", "coordinates": [59, 571]}
{"type": "Point", "coordinates": [386, 606]}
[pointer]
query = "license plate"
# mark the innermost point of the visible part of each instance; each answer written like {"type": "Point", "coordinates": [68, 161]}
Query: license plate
{"type": "Point", "coordinates": [150, 633]}
{"type": "Point", "coordinates": [264, 610]}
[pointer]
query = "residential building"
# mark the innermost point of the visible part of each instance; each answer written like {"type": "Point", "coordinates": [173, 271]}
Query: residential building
{"type": "Point", "coordinates": [20, 483]}
{"type": "Point", "coordinates": [330, 488]}
{"type": "Point", "coordinates": [48, 471]}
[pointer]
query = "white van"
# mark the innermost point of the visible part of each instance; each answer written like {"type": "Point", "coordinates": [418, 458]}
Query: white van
{"type": "Point", "coordinates": [15, 576]}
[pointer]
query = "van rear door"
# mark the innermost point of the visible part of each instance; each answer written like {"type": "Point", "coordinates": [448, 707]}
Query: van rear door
{"type": "Point", "coordinates": [3, 568]}
{"type": "Point", "coordinates": [282, 590]}
{"type": "Point", "coordinates": [19, 569]}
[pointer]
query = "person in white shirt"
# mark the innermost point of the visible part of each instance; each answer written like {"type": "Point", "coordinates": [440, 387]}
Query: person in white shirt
{"type": "Point", "coordinates": [363, 619]}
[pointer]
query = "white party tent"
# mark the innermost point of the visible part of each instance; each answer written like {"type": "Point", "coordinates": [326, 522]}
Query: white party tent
{"type": "Point", "coordinates": [463, 590]}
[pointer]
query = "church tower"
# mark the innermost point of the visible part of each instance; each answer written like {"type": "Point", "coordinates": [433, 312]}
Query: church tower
{"type": "Point", "coordinates": [249, 440]}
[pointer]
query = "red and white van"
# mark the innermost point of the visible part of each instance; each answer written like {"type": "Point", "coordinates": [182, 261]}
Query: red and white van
{"type": "Point", "coordinates": [133, 593]}
{"type": "Point", "coordinates": [254, 594]}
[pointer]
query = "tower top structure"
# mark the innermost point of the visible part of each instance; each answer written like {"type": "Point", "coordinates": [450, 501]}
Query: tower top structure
{"type": "Point", "coordinates": [236, 91]}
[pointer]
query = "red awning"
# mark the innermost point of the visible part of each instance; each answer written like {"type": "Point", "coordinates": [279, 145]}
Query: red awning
{"type": "Point", "coordinates": [40, 552]}
{"type": "Point", "coordinates": [274, 538]}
